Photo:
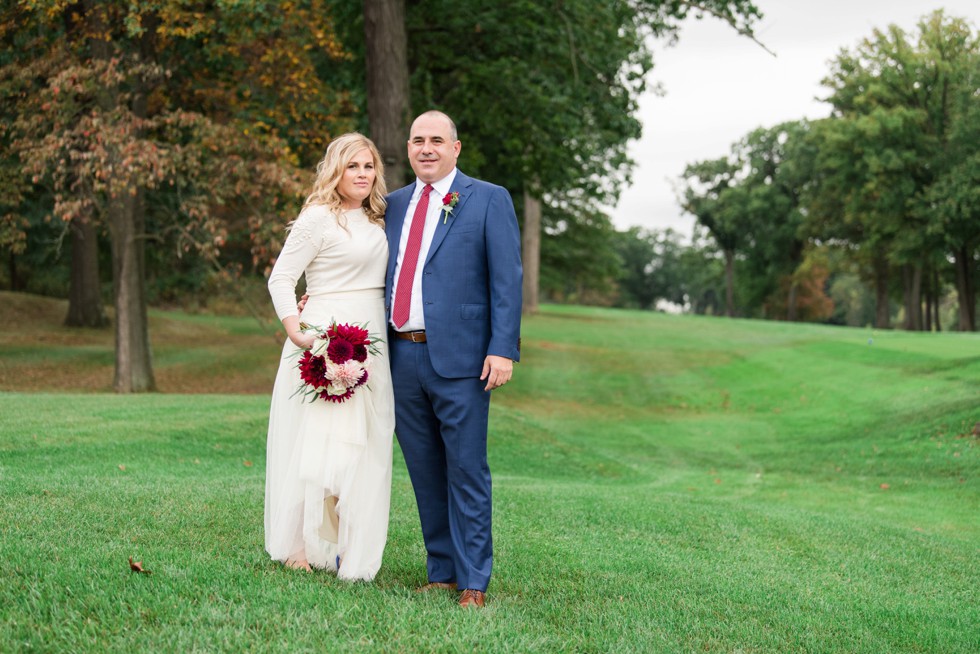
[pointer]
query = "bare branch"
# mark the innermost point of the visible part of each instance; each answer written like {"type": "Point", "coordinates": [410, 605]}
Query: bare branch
{"type": "Point", "coordinates": [744, 31]}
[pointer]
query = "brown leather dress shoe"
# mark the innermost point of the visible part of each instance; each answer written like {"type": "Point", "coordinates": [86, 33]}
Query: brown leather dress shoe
{"type": "Point", "coordinates": [472, 597]}
{"type": "Point", "coordinates": [436, 585]}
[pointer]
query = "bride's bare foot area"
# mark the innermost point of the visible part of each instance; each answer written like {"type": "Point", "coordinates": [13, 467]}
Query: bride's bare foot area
{"type": "Point", "coordinates": [298, 564]}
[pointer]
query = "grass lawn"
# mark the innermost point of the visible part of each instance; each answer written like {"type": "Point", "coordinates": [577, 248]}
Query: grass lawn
{"type": "Point", "coordinates": [661, 484]}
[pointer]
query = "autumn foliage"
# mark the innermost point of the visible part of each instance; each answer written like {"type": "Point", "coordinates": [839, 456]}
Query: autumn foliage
{"type": "Point", "coordinates": [215, 112]}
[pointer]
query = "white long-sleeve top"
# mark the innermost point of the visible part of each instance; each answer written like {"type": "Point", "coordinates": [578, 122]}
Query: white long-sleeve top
{"type": "Point", "coordinates": [335, 260]}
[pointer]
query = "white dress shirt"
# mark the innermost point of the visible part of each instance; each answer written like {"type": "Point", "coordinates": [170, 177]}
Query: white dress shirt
{"type": "Point", "coordinates": [416, 318]}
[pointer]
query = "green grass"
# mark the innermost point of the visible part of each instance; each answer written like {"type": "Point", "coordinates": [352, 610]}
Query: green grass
{"type": "Point", "coordinates": [661, 484]}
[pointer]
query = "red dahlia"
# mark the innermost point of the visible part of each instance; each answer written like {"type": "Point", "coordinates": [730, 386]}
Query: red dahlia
{"type": "Point", "coordinates": [339, 350]}
{"type": "Point", "coordinates": [313, 370]}
{"type": "Point", "coordinates": [350, 333]}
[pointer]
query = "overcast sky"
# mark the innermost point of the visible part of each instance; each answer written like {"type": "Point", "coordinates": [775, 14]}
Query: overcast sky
{"type": "Point", "coordinates": [720, 86]}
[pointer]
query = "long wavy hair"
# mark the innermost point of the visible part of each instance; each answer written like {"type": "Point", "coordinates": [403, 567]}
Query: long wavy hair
{"type": "Point", "coordinates": [331, 169]}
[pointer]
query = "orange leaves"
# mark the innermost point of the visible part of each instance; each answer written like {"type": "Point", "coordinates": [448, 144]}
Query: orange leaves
{"type": "Point", "coordinates": [178, 22]}
{"type": "Point", "coordinates": [224, 139]}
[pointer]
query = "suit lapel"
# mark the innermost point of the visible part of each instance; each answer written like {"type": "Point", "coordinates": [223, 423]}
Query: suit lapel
{"type": "Point", "coordinates": [462, 185]}
{"type": "Point", "coordinates": [395, 221]}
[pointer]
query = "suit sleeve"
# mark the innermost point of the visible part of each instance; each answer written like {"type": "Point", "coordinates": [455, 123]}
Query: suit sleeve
{"type": "Point", "coordinates": [503, 239]}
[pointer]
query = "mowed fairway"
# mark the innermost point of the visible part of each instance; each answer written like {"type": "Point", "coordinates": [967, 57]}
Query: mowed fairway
{"type": "Point", "coordinates": [661, 484]}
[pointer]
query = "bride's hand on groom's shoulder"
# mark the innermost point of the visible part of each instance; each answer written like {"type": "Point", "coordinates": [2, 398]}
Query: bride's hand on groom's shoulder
{"type": "Point", "coordinates": [302, 303]}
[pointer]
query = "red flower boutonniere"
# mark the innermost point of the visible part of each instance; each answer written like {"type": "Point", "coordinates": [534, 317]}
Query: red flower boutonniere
{"type": "Point", "coordinates": [448, 202]}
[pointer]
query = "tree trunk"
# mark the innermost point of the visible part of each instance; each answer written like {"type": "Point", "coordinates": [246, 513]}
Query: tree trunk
{"type": "Point", "coordinates": [531, 252]}
{"type": "Point", "coordinates": [730, 283]}
{"type": "Point", "coordinates": [965, 291]}
{"type": "Point", "coordinates": [124, 215]}
{"type": "Point", "coordinates": [882, 315]}
{"type": "Point", "coordinates": [85, 308]}
{"type": "Point", "coordinates": [791, 311]}
{"type": "Point", "coordinates": [386, 60]}
{"type": "Point", "coordinates": [16, 283]}
{"type": "Point", "coordinates": [912, 280]}
{"type": "Point", "coordinates": [134, 366]}
{"type": "Point", "coordinates": [930, 297]}
{"type": "Point", "coordinates": [937, 293]}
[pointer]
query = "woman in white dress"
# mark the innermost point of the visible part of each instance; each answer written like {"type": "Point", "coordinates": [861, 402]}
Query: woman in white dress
{"type": "Point", "coordinates": [328, 470]}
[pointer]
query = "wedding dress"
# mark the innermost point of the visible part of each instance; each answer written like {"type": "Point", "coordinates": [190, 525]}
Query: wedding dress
{"type": "Point", "coordinates": [328, 468]}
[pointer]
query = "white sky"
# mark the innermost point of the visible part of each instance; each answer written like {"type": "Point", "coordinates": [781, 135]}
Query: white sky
{"type": "Point", "coordinates": [720, 86]}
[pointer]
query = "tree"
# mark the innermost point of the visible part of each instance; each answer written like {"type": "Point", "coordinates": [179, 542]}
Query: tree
{"type": "Point", "coordinates": [712, 194]}
{"type": "Point", "coordinates": [386, 63]}
{"type": "Point", "coordinates": [750, 203]}
{"type": "Point", "coordinates": [161, 117]}
{"type": "Point", "coordinates": [579, 263]}
{"type": "Point", "coordinates": [702, 275]}
{"type": "Point", "coordinates": [951, 203]}
{"type": "Point", "coordinates": [774, 169]}
{"type": "Point", "coordinates": [651, 268]}
{"type": "Point", "coordinates": [85, 307]}
{"type": "Point", "coordinates": [886, 147]}
{"type": "Point", "coordinates": [545, 93]}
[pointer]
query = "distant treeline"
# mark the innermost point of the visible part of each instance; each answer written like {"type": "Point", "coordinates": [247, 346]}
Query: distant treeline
{"type": "Point", "coordinates": [154, 152]}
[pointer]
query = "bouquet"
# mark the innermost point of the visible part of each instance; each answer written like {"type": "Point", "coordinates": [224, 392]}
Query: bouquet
{"type": "Point", "coordinates": [337, 364]}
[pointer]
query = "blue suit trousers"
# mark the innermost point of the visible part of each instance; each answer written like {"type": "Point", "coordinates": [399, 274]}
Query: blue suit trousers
{"type": "Point", "coordinates": [441, 425]}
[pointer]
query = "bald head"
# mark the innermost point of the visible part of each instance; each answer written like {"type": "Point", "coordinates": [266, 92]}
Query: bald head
{"type": "Point", "coordinates": [433, 114]}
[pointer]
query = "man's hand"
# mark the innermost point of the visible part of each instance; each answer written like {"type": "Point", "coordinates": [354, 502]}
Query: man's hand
{"type": "Point", "coordinates": [497, 371]}
{"type": "Point", "coordinates": [302, 303]}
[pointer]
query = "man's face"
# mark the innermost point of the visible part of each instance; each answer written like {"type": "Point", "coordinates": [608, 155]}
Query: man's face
{"type": "Point", "coordinates": [431, 150]}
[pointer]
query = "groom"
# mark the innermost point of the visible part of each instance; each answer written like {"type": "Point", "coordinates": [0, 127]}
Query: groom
{"type": "Point", "coordinates": [453, 296]}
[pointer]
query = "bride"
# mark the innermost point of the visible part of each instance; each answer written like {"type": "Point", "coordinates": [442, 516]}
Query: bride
{"type": "Point", "coordinates": [328, 470]}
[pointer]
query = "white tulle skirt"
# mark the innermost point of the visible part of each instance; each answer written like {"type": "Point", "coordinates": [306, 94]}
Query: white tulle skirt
{"type": "Point", "coordinates": [328, 461]}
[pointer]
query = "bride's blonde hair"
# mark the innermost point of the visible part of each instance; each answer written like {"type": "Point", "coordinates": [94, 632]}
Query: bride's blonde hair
{"type": "Point", "coordinates": [331, 169]}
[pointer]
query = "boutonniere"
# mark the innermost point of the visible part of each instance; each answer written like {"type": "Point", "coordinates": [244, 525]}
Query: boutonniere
{"type": "Point", "coordinates": [448, 202]}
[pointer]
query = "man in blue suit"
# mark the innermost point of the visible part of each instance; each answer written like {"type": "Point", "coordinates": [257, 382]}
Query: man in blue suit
{"type": "Point", "coordinates": [453, 292]}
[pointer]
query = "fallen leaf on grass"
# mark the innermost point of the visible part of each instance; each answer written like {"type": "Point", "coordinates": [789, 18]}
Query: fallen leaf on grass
{"type": "Point", "coordinates": [122, 467]}
{"type": "Point", "coordinates": [247, 464]}
{"type": "Point", "coordinates": [138, 567]}
{"type": "Point", "coordinates": [884, 487]}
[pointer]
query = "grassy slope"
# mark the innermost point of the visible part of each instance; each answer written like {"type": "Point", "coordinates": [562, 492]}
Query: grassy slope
{"type": "Point", "coordinates": [191, 353]}
{"type": "Point", "coordinates": [662, 483]}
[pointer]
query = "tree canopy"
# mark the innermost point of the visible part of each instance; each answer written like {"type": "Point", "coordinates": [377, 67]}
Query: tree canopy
{"type": "Point", "coordinates": [888, 180]}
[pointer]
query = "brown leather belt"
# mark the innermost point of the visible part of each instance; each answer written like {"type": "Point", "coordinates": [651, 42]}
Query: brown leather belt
{"type": "Point", "coordinates": [416, 336]}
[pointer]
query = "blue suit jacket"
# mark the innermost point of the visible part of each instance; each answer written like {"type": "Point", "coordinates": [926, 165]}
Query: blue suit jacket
{"type": "Point", "coordinates": [471, 279]}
